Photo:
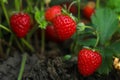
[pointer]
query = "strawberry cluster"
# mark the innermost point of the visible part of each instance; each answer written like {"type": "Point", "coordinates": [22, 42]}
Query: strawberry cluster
{"type": "Point", "coordinates": [63, 26]}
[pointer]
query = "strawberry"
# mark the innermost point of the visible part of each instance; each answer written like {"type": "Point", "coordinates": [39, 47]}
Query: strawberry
{"type": "Point", "coordinates": [88, 11]}
{"type": "Point", "coordinates": [51, 34]}
{"type": "Point", "coordinates": [64, 27]}
{"type": "Point", "coordinates": [20, 24]}
{"type": "Point", "coordinates": [52, 12]}
{"type": "Point", "coordinates": [88, 61]}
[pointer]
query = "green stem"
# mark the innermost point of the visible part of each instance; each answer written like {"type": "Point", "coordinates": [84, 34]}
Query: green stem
{"type": "Point", "coordinates": [89, 27]}
{"type": "Point", "coordinates": [31, 33]}
{"type": "Point", "coordinates": [97, 41]}
{"type": "Point", "coordinates": [42, 32]}
{"type": "Point", "coordinates": [18, 4]}
{"type": "Point", "coordinates": [29, 5]}
{"type": "Point", "coordinates": [27, 44]}
{"type": "Point", "coordinates": [74, 45]}
{"type": "Point", "coordinates": [19, 45]}
{"type": "Point", "coordinates": [1, 50]}
{"type": "Point", "coordinates": [5, 28]}
{"type": "Point", "coordinates": [71, 5]}
{"type": "Point", "coordinates": [11, 38]}
{"type": "Point", "coordinates": [97, 4]}
{"type": "Point", "coordinates": [2, 55]}
{"type": "Point", "coordinates": [78, 10]}
{"type": "Point", "coordinates": [24, 59]}
{"type": "Point", "coordinates": [42, 41]}
{"type": "Point", "coordinates": [10, 43]}
{"type": "Point", "coordinates": [1, 47]}
{"type": "Point", "coordinates": [5, 12]}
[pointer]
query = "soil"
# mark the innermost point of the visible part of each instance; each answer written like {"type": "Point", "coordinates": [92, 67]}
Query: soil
{"type": "Point", "coordinates": [47, 69]}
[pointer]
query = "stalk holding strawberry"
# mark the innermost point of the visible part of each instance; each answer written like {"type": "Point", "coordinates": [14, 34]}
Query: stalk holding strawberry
{"type": "Point", "coordinates": [20, 24]}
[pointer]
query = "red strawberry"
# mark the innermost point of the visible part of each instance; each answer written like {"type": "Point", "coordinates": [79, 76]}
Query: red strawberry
{"type": "Point", "coordinates": [51, 34]}
{"type": "Point", "coordinates": [64, 27]}
{"type": "Point", "coordinates": [88, 11]}
{"type": "Point", "coordinates": [52, 12]}
{"type": "Point", "coordinates": [88, 61]}
{"type": "Point", "coordinates": [20, 24]}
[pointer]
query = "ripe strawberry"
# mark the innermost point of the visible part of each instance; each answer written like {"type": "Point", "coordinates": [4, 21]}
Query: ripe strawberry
{"type": "Point", "coordinates": [51, 34]}
{"type": "Point", "coordinates": [88, 11]}
{"type": "Point", "coordinates": [88, 61]}
{"type": "Point", "coordinates": [20, 24]}
{"type": "Point", "coordinates": [52, 12]}
{"type": "Point", "coordinates": [64, 27]}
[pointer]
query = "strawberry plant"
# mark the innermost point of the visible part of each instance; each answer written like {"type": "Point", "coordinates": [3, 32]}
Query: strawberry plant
{"type": "Point", "coordinates": [77, 38]}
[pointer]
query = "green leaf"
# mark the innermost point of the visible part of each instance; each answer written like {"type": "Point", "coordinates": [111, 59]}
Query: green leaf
{"type": "Point", "coordinates": [114, 4]}
{"type": "Point", "coordinates": [107, 61]}
{"type": "Point", "coordinates": [4, 1]}
{"type": "Point", "coordinates": [106, 23]}
{"type": "Point", "coordinates": [88, 42]}
{"type": "Point", "coordinates": [39, 17]}
{"type": "Point", "coordinates": [30, 7]}
{"type": "Point", "coordinates": [116, 48]}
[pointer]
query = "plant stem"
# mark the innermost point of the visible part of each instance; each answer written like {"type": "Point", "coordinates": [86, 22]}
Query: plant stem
{"type": "Point", "coordinates": [5, 28]}
{"type": "Point", "coordinates": [71, 5]}
{"type": "Point", "coordinates": [97, 4]}
{"type": "Point", "coordinates": [42, 32]}
{"type": "Point", "coordinates": [1, 49]}
{"type": "Point", "coordinates": [19, 45]}
{"type": "Point", "coordinates": [74, 45]}
{"type": "Point", "coordinates": [5, 12]}
{"type": "Point", "coordinates": [18, 4]}
{"type": "Point", "coordinates": [21, 5]}
{"type": "Point", "coordinates": [34, 29]}
{"type": "Point", "coordinates": [24, 59]}
{"type": "Point", "coordinates": [97, 41]}
{"type": "Point", "coordinates": [2, 55]}
{"type": "Point", "coordinates": [78, 10]}
{"type": "Point", "coordinates": [10, 43]}
{"type": "Point", "coordinates": [7, 18]}
{"type": "Point", "coordinates": [27, 44]}
{"type": "Point", "coordinates": [42, 41]}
